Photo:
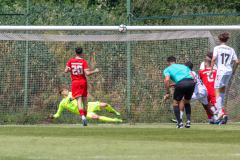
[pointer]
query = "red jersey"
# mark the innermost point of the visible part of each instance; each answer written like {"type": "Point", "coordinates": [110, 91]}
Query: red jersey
{"type": "Point", "coordinates": [209, 83]}
{"type": "Point", "coordinates": [207, 80]}
{"type": "Point", "coordinates": [77, 67]}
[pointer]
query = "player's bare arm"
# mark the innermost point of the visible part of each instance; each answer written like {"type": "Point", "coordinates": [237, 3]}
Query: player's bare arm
{"type": "Point", "coordinates": [237, 62]}
{"type": "Point", "coordinates": [90, 72]}
{"type": "Point", "coordinates": [67, 69]}
{"type": "Point", "coordinates": [212, 65]}
{"type": "Point", "coordinates": [235, 66]}
{"type": "Point", "coordinates": [167, 87]}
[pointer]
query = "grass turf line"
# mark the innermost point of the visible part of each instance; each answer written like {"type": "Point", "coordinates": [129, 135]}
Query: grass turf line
{"type": "Point", "coordinates": [140, 142]}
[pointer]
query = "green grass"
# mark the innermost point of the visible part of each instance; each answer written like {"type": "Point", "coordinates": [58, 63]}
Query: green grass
{"type": "Point", "coordinates": [119, 142]}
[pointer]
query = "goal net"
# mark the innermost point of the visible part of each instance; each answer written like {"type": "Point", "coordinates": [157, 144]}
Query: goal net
{"type": "Point", "coordinates": [130, 78]}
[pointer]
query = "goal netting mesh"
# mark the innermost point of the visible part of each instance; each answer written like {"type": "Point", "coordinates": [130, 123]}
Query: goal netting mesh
{"type": "Point", "coordinates": [131, 66]}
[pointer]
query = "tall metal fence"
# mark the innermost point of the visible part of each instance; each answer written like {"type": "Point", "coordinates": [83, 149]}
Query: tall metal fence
{"type": "Point", "coordinates": [130, 78]}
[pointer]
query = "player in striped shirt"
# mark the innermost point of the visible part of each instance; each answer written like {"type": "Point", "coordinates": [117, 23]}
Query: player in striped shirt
{"type": "Point", "coordinates": [200, 92]}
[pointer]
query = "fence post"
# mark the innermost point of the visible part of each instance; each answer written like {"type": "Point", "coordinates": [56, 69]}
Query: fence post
{"type": "Point", "coordinates": [129, 79]}
{"type": "Point", "coordinates": [26, 67]}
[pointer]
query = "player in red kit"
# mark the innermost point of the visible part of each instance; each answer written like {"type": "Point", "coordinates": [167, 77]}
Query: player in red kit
{"type": "Point", "coordinates": [78, 67]}
{"type": "Point", "coordinates": [209, 80]}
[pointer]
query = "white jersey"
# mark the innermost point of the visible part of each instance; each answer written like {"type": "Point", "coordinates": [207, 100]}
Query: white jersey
{"type": "Point", "coordinates": [200, 88]}
{"type": "Point", "coordinates": [202, 66]}
{"type": "Point", "coordinates": [225, 56]}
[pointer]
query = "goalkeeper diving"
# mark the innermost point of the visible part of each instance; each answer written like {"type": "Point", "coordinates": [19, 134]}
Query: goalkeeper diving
{"type": "Point", "coordinates": [67, 103]}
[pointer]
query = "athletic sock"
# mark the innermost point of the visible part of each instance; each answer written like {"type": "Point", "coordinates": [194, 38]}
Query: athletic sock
{"type": "Point", "coordinates": [181, 114]}
{"type": "Point", "coordinates": [218, 104]}
{"type": "Point", "coordinates": [107, 119]}
{"type": "Point", "coordinates": [85, 113]}
{"type": "Point", "coordinates": [223, 111]}
{"type": "Point", "coordinates": [177, 114]}
{"type": "Point", "coordinates": [82, 113]}
{"type": "Point", "coordinates": [213, 109]}
{"type": "Point", "coordinates": [222, 97]}
{"type": "Point", "coordinates": [208, 111]}
{"type": "Point", "coordinates": [188, 111]}
{"type": "Point", "coordinates": [109, 108]}
{"type": "Point", "coordinates": [214, 116]}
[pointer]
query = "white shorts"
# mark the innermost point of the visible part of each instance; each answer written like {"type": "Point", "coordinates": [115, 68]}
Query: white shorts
{"type": "Point", "coordinates": [222, 81]}
{"type": "Point", "coordinates": [201, 96]}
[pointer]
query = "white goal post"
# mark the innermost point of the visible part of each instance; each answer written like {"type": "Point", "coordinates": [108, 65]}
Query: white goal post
{"type": "Point", "coordinates": [115, 28]}
{"type": "Point", "coordinates": [131, 60]}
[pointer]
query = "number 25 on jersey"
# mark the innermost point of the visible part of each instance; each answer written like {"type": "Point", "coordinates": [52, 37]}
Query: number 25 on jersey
{"type": "Point", "coordinates": [77, 68]}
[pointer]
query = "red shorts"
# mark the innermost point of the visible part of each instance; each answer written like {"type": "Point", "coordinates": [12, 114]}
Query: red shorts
{"type": "Point", "coordinates": [212, 99]}
{"type": "Point", "coordinates": [79, 89]}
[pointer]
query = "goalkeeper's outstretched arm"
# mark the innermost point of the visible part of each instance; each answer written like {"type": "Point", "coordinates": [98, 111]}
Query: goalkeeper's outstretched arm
{"type": "Point", "coordinates": [58, 113]}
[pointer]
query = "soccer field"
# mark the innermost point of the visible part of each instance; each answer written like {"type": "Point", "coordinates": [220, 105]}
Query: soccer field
{"type": "Point", "coordinates": [118, 142]}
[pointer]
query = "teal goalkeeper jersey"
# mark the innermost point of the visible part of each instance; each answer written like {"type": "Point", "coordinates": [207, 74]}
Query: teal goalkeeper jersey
{"type": "Point", "coordinates": [177, 72]}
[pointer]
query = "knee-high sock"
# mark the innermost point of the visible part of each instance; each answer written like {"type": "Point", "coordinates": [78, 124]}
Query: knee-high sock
{"type": "Point", "coordinates": [82, 113]}
{"type": "Point", "coordinates": [208, 111]}
{"type": "Point", "coordinates": [109, 108]}
{"type": "Point", "coordinates": [222, 95]}
{"type": "Point", "coordinates": [177, 113]}
{"type": "Point", "coordinates": [221, 113]}
{"type": "Point", "coordinates": [188, 111]}
{"type": "Point", "coordinates": [219, 105]}
{"type": "Point", "coordinates": [85, 113]}
{"type": "Point", "coordinates": [181, 114]}
{"type": "Point", "coordinates": [108, 119]}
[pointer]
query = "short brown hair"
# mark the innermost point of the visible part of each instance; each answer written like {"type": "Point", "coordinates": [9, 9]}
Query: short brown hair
{"type": "Point", "coordinates": [208, 62]}
{"type": "Point", "coordinates": [61, 89]}
{"type": "Point", "coordinates": [209, 55]}
{"type": "Point", "coordinates": [223, 37]}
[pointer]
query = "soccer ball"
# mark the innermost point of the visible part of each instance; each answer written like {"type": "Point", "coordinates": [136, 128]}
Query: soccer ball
{"type": "Point", "coordinates": [122, 28]}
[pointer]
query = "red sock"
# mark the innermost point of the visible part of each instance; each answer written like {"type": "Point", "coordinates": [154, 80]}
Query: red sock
{"type": "Point", "coordinates": [223, 111]}
{"type": "Point", "coordinates": [209, 116]}
{"type": "Point", "coordinates": [85, 112]}
{"type": "Point", "coordinates": [81, 112]}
